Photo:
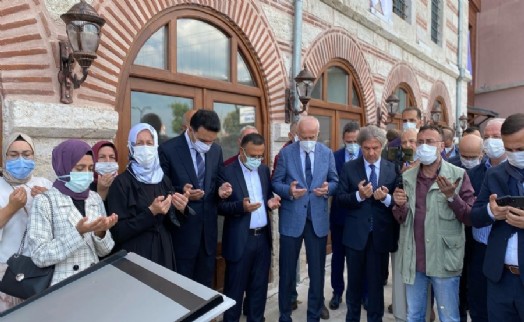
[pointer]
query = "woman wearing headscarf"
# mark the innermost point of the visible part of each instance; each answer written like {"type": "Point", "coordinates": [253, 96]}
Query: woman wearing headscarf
{"type": "Point", "coordinates": [106, 167]}
{"type": "Point", "coordinates": [68, 226]}
{"type": "Point", "coordinates": [144, 199]}
{"type": "Point", "coordinates": [18, 186]}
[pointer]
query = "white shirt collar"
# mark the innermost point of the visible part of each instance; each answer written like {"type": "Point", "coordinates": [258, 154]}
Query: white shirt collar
{"type": "Point", "coordinates": [377, 163]}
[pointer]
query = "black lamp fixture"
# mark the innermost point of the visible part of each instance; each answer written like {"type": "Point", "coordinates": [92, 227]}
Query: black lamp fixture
{"type": "Point", "coordinates": [436, 114]}
{"type": "Point", "coordinates": [392, 107]}
{"type": "Point", "coordinates": [83, 26]}
{"type": "Point", "coordinates": [463, 121]}
{"type": "Point", "coordinates": [304, 85]}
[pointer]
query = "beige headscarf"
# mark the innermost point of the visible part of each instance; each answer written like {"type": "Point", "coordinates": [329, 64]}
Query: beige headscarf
{"type": "Point", "coordinates": [12, 138]}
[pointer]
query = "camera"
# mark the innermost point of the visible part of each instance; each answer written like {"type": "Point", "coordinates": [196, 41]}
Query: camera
{"type": "Point", "coordinates": [400, 155]}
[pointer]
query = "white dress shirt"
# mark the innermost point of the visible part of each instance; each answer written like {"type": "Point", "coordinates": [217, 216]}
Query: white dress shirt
{"type": "Point", "coordinates": [254, 188]}
{"type": "Point", "coordinates": [193, 152]}
{"type": "Point", "coordinates": [386, 201]}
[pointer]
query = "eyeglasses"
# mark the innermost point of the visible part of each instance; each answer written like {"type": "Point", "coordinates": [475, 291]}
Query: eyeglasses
{"type": "Point", "coordinates": [428, 142]}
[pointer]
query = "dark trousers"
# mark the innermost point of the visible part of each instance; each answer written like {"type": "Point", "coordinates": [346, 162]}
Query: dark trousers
{"type": "Point", "coordinates": [316, 258]}
{"type": "Point", "coordinates": [250, 274]}
{"type": "Point", "coordinates": [368, 265]}
{"type": "Point", "coordinates": [477, 284]}
{"type": "Point", "coordinates": [201, 268]}
{"type": "Point", "coordinates": [506, 299]}
{"type": "Point", "coordinates": [338, 258]}
{"type": "Point", "coordinates": [463, 286]}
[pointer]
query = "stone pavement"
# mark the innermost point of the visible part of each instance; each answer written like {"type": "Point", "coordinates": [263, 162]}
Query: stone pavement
{"type": "Point", "coordinates": [339, 315]}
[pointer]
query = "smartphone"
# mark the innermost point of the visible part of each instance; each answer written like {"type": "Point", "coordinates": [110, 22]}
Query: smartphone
{"type": "Point", "coordinates": [513, 201]}
{"type": "Point", "coordinates": [400, 184]}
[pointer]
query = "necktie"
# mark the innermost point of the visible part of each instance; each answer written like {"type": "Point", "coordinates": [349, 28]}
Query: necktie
{"type": "Point", "coordinates": [201, 170]}
{"type": "Point", "coordinates": [309, 178]}
{"type": "Point", "coordinates": [374, 183]}
{"type": "Point", "coordinates": [373, 177]}
{"type": "Point", "coordinates": [309, 174]}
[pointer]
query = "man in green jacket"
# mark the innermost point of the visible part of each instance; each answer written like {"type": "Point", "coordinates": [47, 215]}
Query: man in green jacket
{"type": "Point", "coordinates": [432, 208]}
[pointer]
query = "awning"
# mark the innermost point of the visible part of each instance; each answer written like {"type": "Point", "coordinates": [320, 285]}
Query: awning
{"type": "Point", "coordinates": [475, 113]}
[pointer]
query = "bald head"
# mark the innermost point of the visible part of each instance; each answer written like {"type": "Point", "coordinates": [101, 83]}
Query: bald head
{"type": "Point", "coordinates": [248, 129]}
{"type": "Point", "coordinates": [408, 139]}
{"type": "Point", "coordinates": [471, 147]}
{"type": "Point", "coordinates": [308, 128]}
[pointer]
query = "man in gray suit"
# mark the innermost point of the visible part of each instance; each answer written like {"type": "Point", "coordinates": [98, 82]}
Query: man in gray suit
{"type": "Point", "coordinates": [304, 178]}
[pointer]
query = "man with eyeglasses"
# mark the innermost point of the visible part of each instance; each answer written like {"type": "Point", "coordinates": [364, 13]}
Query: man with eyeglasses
{"type": "Point", "coordinates": [246, 239]}
{"type": "Point", "coordinates": [504, 259]}
{"type": "Point", "coordinates": [432, 208]}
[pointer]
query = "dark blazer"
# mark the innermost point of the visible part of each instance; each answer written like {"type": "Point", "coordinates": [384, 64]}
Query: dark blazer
{"type": "Point", "coordinates": [236, 223]}
{"type": "Point", "coordinates": [497, 181]}
{"type": "Point", "coordinates": [476, 175]}
{"type": "Point", "coordinates": [455, 160]}
{"type": "Point", "coordinates": [356, 228]}
{"type": "Point", "coordinates": [176, 161]}
{"type": "Point", "coordinates": [337, 214]}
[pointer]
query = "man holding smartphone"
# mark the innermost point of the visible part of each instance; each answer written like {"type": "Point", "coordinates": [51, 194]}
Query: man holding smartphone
{"type": "Point", "coordinates": [504, 259]}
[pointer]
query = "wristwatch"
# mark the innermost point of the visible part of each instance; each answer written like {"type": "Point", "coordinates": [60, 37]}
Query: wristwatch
{"type": "Point", "coordinates": [450, 199]}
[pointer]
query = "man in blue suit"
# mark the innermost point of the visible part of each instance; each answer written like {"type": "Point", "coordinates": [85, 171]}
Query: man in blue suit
{"type": "Point", "coordinates": [337, 216]}
{"type": "Point", "coordinates": [305, 177]}
{"type": "Point", "coordinates": [504, 258]}
{"type": "Point", "coordinates": [246, 239]}
{"type": "Point", "coordinates": [194, 164]}
{"type": "Point", "coordinates": [370, 230]}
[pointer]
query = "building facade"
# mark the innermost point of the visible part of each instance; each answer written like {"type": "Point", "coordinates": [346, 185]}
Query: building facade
{"type": "Point", "coordinates": [233, 56]}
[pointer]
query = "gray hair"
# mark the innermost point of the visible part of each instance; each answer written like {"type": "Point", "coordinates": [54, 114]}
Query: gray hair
{"type": "Point", "coordinates": [248, 127]}
{"type": "Point", "coordinates": [371, 132]}
{"type": "Point", "coordinates": [498, 120]}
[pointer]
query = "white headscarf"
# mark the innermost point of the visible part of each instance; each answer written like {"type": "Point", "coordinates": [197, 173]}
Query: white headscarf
{"type": "Point", "coordinates": [153, 174]}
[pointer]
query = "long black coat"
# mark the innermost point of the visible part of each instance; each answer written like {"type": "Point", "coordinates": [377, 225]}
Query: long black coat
{"type": "Point", "coordinates": [138, 230]}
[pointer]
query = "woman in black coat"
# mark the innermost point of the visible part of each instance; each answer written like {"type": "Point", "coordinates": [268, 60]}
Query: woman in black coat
{"type": "Point", "coordinates": [145, 201]}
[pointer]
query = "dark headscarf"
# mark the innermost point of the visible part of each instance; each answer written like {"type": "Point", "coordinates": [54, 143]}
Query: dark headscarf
{"type": "Point", "coordinates": [65, 156]}
{"type": "Point", "coordinates": [96, 148]}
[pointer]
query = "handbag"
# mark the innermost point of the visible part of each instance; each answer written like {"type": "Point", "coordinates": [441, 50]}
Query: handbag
{"type": "Point", "coordinates": [22, 277]}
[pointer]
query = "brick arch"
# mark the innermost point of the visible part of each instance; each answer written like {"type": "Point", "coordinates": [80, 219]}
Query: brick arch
{"type": "Point", "coordinates": [27, 57]}
{"type": "Point", "coordinates": [337, 43]}
{"type": "Point", "coordinates": [401, 73]}
{"type": "Point", "coordinates": [125, 20]}
{"type": "Point", "coordinates": [439, 89]}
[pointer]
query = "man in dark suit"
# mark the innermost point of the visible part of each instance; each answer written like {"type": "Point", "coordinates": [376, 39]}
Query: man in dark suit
{"type": "Point", "coordinates": [194, 164]}
{"type": "Point", "coordinates": [370, 231]}
{"type": "Point", "coordinates": [305, 177]}
{"type": "Point", "coordinates": [246, 240]}
{"type": "Point", "coordinates": [471, 152]}
{"type": "Point", "coordinates": [477, 282]}
{"type": "Point", "coordinates": [450, 149]}
{"type": "Point", "coordinates": [504, 259]}
{"type": "Point", "coordinates": [337, 215]}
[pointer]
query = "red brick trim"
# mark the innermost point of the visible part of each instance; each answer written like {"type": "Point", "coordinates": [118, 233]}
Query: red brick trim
{"type": "Point", "coordinates": [439, 90]}
{"type": "Point", "coordinates": [337, 43]}
{"type": "Point", "coordinates": [401, 73]}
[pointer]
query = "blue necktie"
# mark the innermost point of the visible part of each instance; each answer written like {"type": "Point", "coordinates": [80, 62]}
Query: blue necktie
{"type": "Point", "coordinates": [309, 174]}
{"type": "Point", "coordinates": [309, 179]}
{"type": "Point", "coordinates": [374, 183]}
{"type": "Point", "coordinates": [201, 170]}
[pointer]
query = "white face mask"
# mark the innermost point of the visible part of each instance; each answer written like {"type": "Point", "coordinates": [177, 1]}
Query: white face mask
{"type": "Point", "coordinates": [145, 155]}
{"type": "Point", "coordinates": [409, 125]}
{"type": "Point", "coordinates": [295, 138]}
{"type": "Point", "coordinates": [352, 148]}
{"type": "Point", "coordinates": [494, 148]}
{"type": "Point", "coordinates": [308, 146]}
{"type": "Point", "coordinates": [200, 146]}
{"type": "Point", "coordinates": [427, 154]}
{"type": "Point", "coordinates": [516, 159]}
{"type": "Point", "coordinates": [468, 163]}
{"type": "Point", "coordinates": [106, 167]}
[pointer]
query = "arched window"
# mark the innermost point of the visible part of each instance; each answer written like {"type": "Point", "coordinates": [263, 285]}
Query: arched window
{"type": "Point", "coordinates": [439, 107]}
{"type": "Point", "coordinates": [188, 59]}
{"type": "Point", "coordinates": [406, 99]}
{"type": "Point", "coordinates": [336, 100]}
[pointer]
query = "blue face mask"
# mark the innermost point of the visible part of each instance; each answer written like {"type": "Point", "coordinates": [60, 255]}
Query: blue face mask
{"type": "Point", "coordinates": [352, 148]}
{"type": "Point", "coordinates": [79, 181]}
{"type": "Point", "coordinates": [20, 168]}
{"type": "Point", "coordinates": [252, 163]}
